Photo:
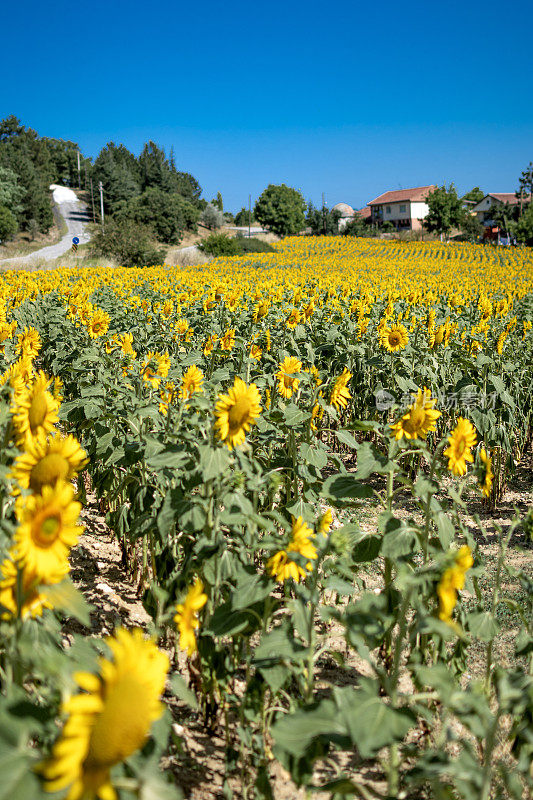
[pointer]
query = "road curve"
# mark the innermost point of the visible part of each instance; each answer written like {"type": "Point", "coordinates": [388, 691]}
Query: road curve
{"type": "Point", "coordinates": [75, 215]}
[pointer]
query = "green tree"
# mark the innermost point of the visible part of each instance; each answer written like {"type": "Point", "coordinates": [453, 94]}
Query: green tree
{"type": "Point", "coordinates": [119, 173]}
{"type": "Point", "coordinates": [128, 243]}
{"type": "Point", "coordinates": [470, 226]}
{"type": "Point", "coordinates": [525, 183]}
{"type": "Point", "coordinates": [8, 224]}
{"type": "Point", "coordinates": [445, 210]}
{"type": "Point", "coordinates": [168, 215]}
{"type": "Point", "coordinates": [505, 216]}
{"type": "Point", "coordinates": [357, 226]}
{"type": "Point", "coordinates": [524, 226]}
{"type": "Point", "coordinates": [476, 195]}
{"type": "Point", "coordinates": [282, 209]}
{"type": "Point", "coordinates": [11, 193]}
{"type": "Point", "coordinates": [218, 202]}
{"type": "Point", "coordinates": [322, 221]}
{"type": "Point", "coordinates": [241, 217]}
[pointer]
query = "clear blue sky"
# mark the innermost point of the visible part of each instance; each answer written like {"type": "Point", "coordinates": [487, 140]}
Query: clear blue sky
{"type": "Point", "coordinates": [348, 98]}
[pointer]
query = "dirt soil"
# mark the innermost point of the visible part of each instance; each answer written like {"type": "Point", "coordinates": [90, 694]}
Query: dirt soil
{"type": "Point", "coordinates": [198, 764]}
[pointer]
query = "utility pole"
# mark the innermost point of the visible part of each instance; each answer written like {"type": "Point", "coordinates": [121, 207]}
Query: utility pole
{"type": "Point", "coordinates": [101, 203]}
{"type": "Point", "coordinates": [249, 215]}
{"type": "Point", "coordinates": [79, 178]}
{"type": "Point", "coordinates": [92, 201]}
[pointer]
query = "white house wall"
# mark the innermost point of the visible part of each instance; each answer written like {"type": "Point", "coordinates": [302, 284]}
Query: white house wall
{"type": "Point", "coordinates": [419, 210]}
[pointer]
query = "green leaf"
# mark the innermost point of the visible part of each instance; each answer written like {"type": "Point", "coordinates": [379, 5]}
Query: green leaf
{"type": "Point", "coordinates": [65, 597]}
{"type": "Point", "coordinates": [293, 416]}
{"type": "Point", "coordinates": [314, 456]}
{"type": "Point", "coordinates": [345, 487]}
{"type": "Point", "coordinates": [482, 625]}
{"type": "Point", "coordinates": [345, 437]}
{"type": "Point", "coordinates": [182, 691]}
{"type": "Point", "coordinates": [213, 461]}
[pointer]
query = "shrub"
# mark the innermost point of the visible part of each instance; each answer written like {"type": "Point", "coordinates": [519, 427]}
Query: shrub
{"type": "Point", "coordinates": [212, 217]}
{"type": "Point", "coordinates": [128, 243]}
{"type": "Point", "coordinates": [218, 244]}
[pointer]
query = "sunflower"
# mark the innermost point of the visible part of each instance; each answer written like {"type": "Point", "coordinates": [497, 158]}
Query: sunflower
{"type": "Point", "coordinates": [227, 342]}
{"type": "Point", "coordinates": [34, 410]}
{"type": "Point", "coordinates": [48, 528]}
{"type": "Point", "coordinates": [191, 383]}
{"type": "Point", "coordinates": [324, 523]}
{"type": "Point", "coordinates": [48, 460]}
{"type": "Point", "coordinates": [462, 438]}
{"type": "Point", "coordinates": [210, 343]}
{"type": "Point", "coordinates": [420, 419]}
{"type": "Point", "coordinates": [20, 592]}
{"type": "Point", "coordinates": [98, 324]}
{"type": "Point", "coordinates": [452, 580]}
{"type": "Point", "coordinates": [394, 338]}
{"type": "Point", "coordinates": [293, 318]}
{"type": "Point", "coordinates": [29, 343]}
{"type": "Point", "coordinates": [340, 394]}
{"type": "Point", "coordinates": [486, 473]}
{"type": "Point", "coordinates": [281, 566]}
{"type": "Point", "coordinates": [187, 616]}
{"type": "Point", "coordinates": [155, 367]}
{"type": "Point", "coordinates": [236, 411]}
{"type": "Point", "coordinates": [287, 383]}
{"type": "Point", "coordinates": [255, 352]}
{"type": "Point", "coordinates": [110, 719]}
{"type": "Point", "coordinates": [166, 394]}
{"type": "Point", "coordinates": [126, 345]}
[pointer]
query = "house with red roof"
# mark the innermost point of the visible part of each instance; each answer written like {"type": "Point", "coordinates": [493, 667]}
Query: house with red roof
{"type": "Point", "coordinates": [483, 209]}
{"type": "Point", "coordinates": [405, 208]}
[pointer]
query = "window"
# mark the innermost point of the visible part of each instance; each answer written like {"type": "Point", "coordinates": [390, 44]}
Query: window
{"type": "Point", "coordinates": [388, 209]}
{"type": "Point", "coordinates": [403, 209]}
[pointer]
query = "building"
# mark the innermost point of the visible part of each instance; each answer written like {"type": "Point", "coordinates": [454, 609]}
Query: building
{"type": "Point", "coordinates": [346, 214]}
{"type": "Point", "coordinates": [405, 208]}
{"type": "Point", "coordinates": [483, 210]}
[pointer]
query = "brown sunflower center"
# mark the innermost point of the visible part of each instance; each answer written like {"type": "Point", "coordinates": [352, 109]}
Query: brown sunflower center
{"type": "Point", "coordinates": [37, 411]}
{"type": "Point", "coordinates": [394, 339]}
{"type": "Point", "coordinates": [122, 726]}
{"type": "Point", "coordinates": [416, 419]}
{"type": "Point", "coordinates": [48, 470]}
{"type": "Point", "coordinates": [45, 530]}
{"type": "Point", "coordinates": [238, 414]}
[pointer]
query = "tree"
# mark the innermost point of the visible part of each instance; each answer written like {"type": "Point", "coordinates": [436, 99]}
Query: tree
{"type": "Point", "coordinates": [119, 173]}
{"type": "Point", "coordinates": [8, 224]}
{"type": "Point", "coordinates": [445, 210]}
{"type": "Point", "coordinates": [475, 195]}
{"type": "Point", "coordinates": [505, 216]}
{"type": "Point", "coordinates": [282, 209]}
{"type": "Point", "coordinates": [11, 193]}
{"type": "Point", "coordinates": [211, 217]}
{"type": "Point", "coordinates": [470, 226]}
{"type": "Point", "coordinates": [241, 217]}
{"type": "Point", "coordinates": [525, 183]}
{"type": "Point", "coordinates": [357, 226]}
{"type": "Point", "coordinates": [322, 221]}
{"type": "Point", "coordinates": [168, 215]}
{"type": "Point", "coordinates": [128, 243]}
{"type": "Point", "coordinates": [524, 226]}
{"type": "Point", "coordinates": [218, 202]}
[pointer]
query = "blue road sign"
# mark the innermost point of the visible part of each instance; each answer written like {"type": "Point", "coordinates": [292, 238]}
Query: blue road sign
{"type": "Point", "coordinates": [75, 240]}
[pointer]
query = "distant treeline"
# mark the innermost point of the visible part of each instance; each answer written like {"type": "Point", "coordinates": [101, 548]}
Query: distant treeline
{"type": "Point", "coordinates": [148, 190]}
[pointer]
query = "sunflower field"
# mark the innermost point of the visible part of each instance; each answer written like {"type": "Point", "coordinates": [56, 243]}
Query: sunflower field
{"type": "Point", "coordinates": [301, 458]}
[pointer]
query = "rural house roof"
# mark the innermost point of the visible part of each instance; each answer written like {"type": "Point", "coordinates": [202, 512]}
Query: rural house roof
{"type": "Point", "coordinates": [418, 194]}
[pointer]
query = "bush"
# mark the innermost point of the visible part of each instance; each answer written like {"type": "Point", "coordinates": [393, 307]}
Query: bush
{"type": "Point", "coordinates": [128, 243]}
{"type": "Point", "coordinates": [8, 224]}
{"type": "Point", "coordinates": [167, 215]}
{"type": "Point", "coordinates": [218, 244]}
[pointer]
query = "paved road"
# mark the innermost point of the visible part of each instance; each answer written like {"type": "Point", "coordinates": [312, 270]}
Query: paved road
{"type": "Point", "coordinates": [75, 215]}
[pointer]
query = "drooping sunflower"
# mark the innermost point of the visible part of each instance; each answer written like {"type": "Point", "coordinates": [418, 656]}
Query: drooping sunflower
{"type": "Point", "coordinates": [48, 527]}
{"type": "Point", "coordinates": [452, 581]}
{"type": "Point", "coordinates": [340, 394]}
{"type": "Point", "coordinates": [394, 338]}
{"type": "Point", "coordinates": [287, 383]}
{"type": "Point", "coordinates": [191, 383]}
{"type": "Point", "coordinates": [236, 411]}
{"type": "Point", "coordinates": [420, 419]}
{"type": "Point", "coordinates": [227, 342]}
{"type": "Point", "coordinates": [281, 566]}
{"type": "Point", "coordinates": [126, 345]}
{"type": "Point", "coordinates": [47, 460]}
{"type": "Point", "coordinates": [110, 719]}
{"type": "Point", "coordinates": [255, 352]}
{"type": "Point", "coordinates": [486, 473]}
{"type": "Point", "coordinates": [462, 439]}
{"type": "Point", "coordinates": [34, 410]}
{"type": "Point", "coordinates": [29, 343]}
{"type": "Point", "coordinates": [324, 523]}
{"type": "Point", "coordinates": [210, 343]}
{"type": "Point", "coordinates": [187, 616]}
{"type": "Point", "coordinates": [293, 318]}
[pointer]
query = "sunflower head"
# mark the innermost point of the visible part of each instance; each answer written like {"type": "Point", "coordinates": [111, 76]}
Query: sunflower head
{"type": "Point", "coordinates": [394, 338]}
{"type": "Point", "coordinates": [109, 719]}
{"type": "Point", "coordinates": [462, 439]}
{"type": "Point", "coordinates": [47, 460]}
{"type": "Point", "coordinates": [236, 411]}
{"type": "Point", "coordinates": [187, 616]}
{"type": "Point", "coordinates": [420, 419]}
{"type": "Point", "coordinates": [486, 473]}
{"type": "Point", "coordinates": [286, 375]}
{"type": "Point", "coordinates": [34, 410]}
